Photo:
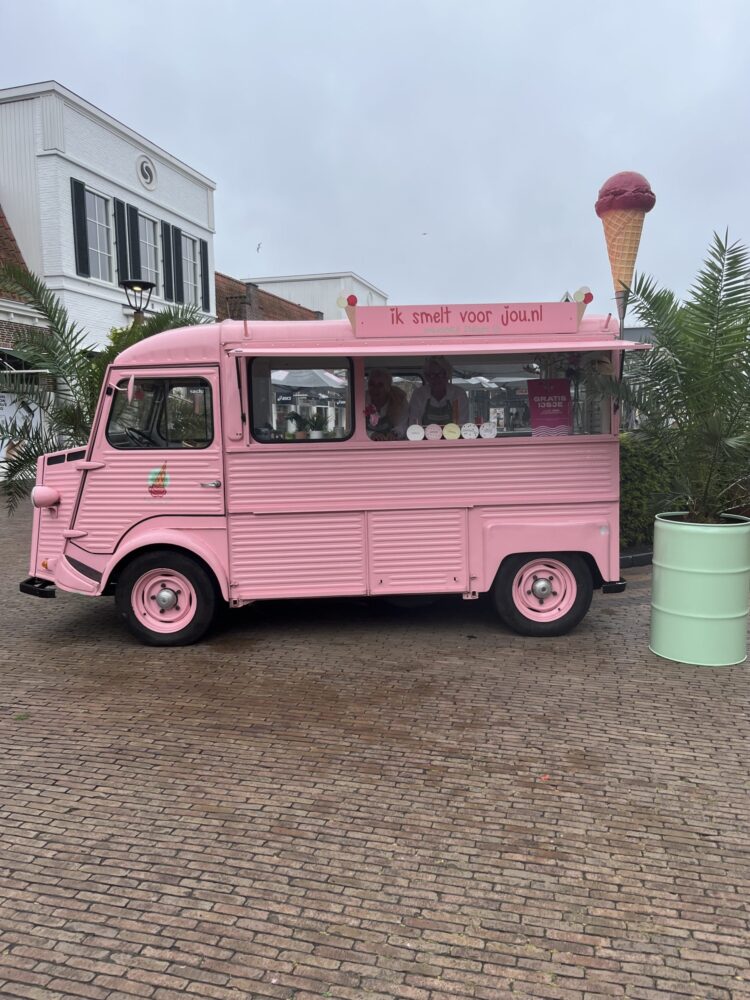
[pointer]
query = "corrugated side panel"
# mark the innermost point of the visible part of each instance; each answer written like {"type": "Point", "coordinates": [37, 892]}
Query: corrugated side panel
{"type": "Point", "coordinates": [417, 551]}
{"type": "Point", "coordinates": [117, 497]}
{"type": "Point", "coordinates": [297, 556]}
{"type": "Point", "coordinates": [54, 520]}
{"type": "Point", "coordinates": [329, 478]}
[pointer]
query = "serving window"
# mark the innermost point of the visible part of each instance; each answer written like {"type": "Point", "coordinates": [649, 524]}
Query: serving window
{"type": "Point", "coordinates": [300, 400]}
{"type": "Point", "coordinates": [486, 396]}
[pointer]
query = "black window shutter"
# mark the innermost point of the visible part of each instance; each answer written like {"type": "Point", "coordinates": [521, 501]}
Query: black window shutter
{"type": "Point", "coordinates": [179, 291]}
{"type": "Point", "coordinates": [166, 253]}
{"type": "Point", "coordinates": [121, 241]}
{"type": "Point", "coordinates": [80, 235]}
{"type": "Point", "coordinates": [134, 239]}
{"type": "Point", "coordinates": [204, 277]}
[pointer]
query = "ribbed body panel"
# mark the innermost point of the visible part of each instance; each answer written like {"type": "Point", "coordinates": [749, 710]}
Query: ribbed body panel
{"type": "Point", "coordinates": [118, 496]}
{"type": "Point", "coordinates": [285, 556]}
{"type": "Point", "coordinates": [348, 519]}
{"type": "Point", "coordinates": [417, 551]}
{"type": "Point", "coordinates": [466, 474]}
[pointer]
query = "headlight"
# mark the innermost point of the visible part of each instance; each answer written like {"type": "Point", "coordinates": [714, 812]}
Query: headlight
{"type": "Point", "coordinates": [44, 496]}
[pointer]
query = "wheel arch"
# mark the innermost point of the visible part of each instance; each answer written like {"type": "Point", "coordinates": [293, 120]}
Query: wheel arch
{"type": "Point", "coordinates": [592, 534]}
{"type": "Point", "coordinates": [141, 547]}
{"type": "Point", "coordinates": [596, 576]}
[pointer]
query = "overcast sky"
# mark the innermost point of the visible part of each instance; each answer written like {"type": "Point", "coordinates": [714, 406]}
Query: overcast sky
{"type": "Point", "coordinates": [445, 150]}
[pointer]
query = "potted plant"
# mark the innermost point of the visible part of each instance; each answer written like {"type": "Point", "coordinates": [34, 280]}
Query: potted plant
{"type": "Point", "coordinates": [692, 391]}
{"type": "Point", "coordinates": [296, 426]}
{"type": "Point", "coordinates": [317, 424]}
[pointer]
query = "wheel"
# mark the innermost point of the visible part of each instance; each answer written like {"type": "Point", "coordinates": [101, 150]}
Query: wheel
{"type": "Point", "coordinates": [166, 598]}
{"type": "Point", "coordinates": [543, 595]}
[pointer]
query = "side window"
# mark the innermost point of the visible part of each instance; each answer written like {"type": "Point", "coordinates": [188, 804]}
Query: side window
{"type": "Point", "coordinates": [486, 396]}
{"type": "Point", "coordinates": [300, 399]}
{"type": "Point", "coordinates": [163, 413]}
{"type": "Point", "coordinates": [388, 393]}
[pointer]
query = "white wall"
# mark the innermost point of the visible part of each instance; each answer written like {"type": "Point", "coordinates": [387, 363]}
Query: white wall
{"type": "Point", "coordinates": [19, 195]}
{"type": "Point", "coordinates": [321, 291]}
{"type": "Point", "coordinates": [95, 304]}
{"type": "Point", "coordinates": [92, 144]}
{"type": "Point", "coordinates": [50, 136]}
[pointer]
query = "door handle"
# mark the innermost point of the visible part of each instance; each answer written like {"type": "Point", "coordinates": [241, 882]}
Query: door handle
{"type": "Point", "coordinates": [212, 484]}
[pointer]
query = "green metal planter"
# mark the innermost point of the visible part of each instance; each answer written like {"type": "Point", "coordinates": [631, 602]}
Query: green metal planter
{"type": "Point", "coordinates": [701, 590]}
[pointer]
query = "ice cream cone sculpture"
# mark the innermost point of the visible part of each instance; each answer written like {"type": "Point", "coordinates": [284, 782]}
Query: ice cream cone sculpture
{"type": "Point", "coordinates": [351, 308]}
{"type": "Point", "coordinates": [622, 205]}
{"type": "Point", "coordinates": [348, 303]}
{"type": "Point", "coordinates": [581, 298]}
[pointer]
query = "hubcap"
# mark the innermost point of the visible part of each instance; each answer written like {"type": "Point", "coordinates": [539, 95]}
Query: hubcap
{"type": "Point", "coordinates": [541, 588]}
{"type": "Point", "coordinates": [167, 598]}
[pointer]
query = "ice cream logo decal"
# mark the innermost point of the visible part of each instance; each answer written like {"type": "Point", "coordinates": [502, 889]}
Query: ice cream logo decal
{"type": "Point", "coordinates": [158, 480]}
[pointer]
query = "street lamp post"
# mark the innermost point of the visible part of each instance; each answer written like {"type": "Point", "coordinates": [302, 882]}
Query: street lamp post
{"type": "Point", "coordinates": [138, 294]}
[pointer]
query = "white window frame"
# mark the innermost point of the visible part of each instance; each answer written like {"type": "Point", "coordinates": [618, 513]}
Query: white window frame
{"type": "Point", "coordinates": [149, 273]}
{"type": "Point", "coordinates": [103, 229]}
{"type": "Point", "coordinates": [191, 274]}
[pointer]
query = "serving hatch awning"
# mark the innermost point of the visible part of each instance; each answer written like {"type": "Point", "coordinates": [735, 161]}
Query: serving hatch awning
{"type": "Point", "coordinates": [381, 347]}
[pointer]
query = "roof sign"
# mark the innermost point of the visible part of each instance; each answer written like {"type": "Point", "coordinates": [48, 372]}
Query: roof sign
{"type": "Point", "coordinates": [498, 319]}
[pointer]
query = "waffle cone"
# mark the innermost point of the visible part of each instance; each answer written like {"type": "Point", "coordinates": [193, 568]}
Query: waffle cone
{"type": "Point", "coordinates": [622, 231]}
{"type": "Point", "coordinates": [351, 312]}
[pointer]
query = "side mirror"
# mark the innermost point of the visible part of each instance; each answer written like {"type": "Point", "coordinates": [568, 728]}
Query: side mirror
{"type": "Point", "coordinates": [131, 388]}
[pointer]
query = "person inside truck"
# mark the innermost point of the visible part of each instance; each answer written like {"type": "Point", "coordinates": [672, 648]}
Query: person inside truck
{"type": "Point", "coordinates": [387, 409]}
{"type": "Point", "coordinates": [438, 401]}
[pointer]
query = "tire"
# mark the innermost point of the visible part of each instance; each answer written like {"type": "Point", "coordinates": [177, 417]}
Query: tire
{"type": "Point", "coordinates": [564, 586]}
{"type": "Point", "coordinates": [150, 582]}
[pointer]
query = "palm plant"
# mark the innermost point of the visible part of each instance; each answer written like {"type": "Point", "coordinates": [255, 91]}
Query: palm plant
{"type": "Point", "coordinates": [318, 421]}
{"type": "Point", "coordinates": [693, 387]}
{"type": "Point", "coordinates": [65, 399]}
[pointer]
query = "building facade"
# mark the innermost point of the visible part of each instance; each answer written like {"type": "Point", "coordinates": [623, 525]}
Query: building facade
{"type": "Point", "coordinates": [91, 203]}
{"type": "Point", "coordinates": [323, 292]}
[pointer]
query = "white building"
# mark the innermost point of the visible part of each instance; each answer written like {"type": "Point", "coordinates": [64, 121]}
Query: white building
{"type": "Point", "coordinates": [90, 203]}
{"type": "Point", "coordinates": [321, 292]}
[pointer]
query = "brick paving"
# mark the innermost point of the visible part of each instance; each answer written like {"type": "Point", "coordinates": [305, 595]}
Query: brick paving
{"type": "Point", "coordinates": [340, 799]}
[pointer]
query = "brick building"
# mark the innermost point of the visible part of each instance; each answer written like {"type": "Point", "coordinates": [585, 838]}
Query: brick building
{"type": "Point", "coordinates": [237, 299]}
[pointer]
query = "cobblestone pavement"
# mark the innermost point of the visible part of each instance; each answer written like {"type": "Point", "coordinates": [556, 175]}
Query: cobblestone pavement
{"type": "Point", "coordinates": [341, 799]}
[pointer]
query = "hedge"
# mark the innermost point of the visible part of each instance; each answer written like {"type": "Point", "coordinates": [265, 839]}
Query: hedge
{"type": "Point", "coordinates": [645, 481]}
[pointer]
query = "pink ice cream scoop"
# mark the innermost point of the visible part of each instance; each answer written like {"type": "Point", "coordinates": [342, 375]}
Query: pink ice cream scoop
{"type": "Point", "coordinates": [626, 190]}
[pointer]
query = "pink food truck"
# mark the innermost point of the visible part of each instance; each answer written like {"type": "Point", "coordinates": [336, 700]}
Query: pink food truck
{"type": "Point", "coordinates": [405, 450]}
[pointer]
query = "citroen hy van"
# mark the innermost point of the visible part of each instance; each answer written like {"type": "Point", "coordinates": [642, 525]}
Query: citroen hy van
{"type": "Point", "coordinates": [242, 462]}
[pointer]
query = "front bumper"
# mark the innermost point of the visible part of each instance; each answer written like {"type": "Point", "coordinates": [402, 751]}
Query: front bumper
{"type": "Point", "coordinates": [36, 587]}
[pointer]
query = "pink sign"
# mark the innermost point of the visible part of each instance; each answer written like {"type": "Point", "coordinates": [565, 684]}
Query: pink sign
{"type": "Point", "coordinates": [467, 321]}
{"type": "Point", "coordinates": [549, 407]}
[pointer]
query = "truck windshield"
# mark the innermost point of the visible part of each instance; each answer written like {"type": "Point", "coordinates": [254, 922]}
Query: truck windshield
{"type": "Point", "coordinates": [164, 413]}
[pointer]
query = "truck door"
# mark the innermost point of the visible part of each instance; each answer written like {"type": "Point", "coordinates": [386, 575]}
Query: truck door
{"type": "Point", "coordinates": [156, 452]}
